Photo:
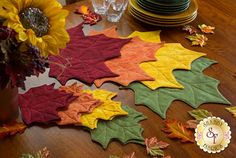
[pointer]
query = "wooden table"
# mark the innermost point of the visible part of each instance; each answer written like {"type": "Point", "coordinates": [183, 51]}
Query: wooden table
{"type": "Point", "coordinates": [72, 142]}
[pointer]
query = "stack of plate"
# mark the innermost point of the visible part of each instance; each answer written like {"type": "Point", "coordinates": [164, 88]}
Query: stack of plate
{"type": "Point", "coordinates": [164, 6]}
{"type": "Point", "coordinates": [164, 16]}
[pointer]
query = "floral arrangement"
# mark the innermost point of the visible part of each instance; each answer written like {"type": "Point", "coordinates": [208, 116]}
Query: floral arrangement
{"type": "Point", "coordinates": [30, 31]}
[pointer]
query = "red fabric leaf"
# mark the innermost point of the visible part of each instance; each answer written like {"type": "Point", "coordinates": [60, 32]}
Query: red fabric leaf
{"type": "Point", "coordinates": [41, 104]}
{"type": "Point", "coordinates": [84, 57]}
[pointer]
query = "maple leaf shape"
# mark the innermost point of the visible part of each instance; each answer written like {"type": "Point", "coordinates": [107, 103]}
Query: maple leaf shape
{"type": "Point", "coordinates": [11, 129]}
{"type": "Point", "coordinates": [198, 89]}
{"type": "Point", "coordinates": [232, 110]}
{"type": "Point", "coordinates": [176, 129]}
{"type": "Point", "coordinates": [206, 29]}
{"type": "Point", "coordinates": [154, 147]}
{"type": "Point", "coordinates": [85, 103]}
{"type": "Point", "coordinates": [198, 39]}
{"type": "Point", "coordinates": [40, 104]}
{"type": "Point", "coordinates": [200, 114]}
{"type": "Point", "coordinates": [126, 129]}
{"type": "Point", "coordinates": [127, 66]}
{"type": "Point", "coordinates": [170, 57]}
{"type": "Point", "coordinates": [84, 57]}
{"type": "Point", "coordinates": [151, 36]}
{"type": "Point", "coordinates": [190, 29]}
{"type": "Point", "coordinates": [107, 111]}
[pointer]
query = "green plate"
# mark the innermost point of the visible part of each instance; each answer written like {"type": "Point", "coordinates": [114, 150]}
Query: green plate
{"type": "Point", "coordinates": [168, 4]}
{"type": "Point", "coordinates": [160, 10]}
{"type": "Point", "coordinates": [191, 10]}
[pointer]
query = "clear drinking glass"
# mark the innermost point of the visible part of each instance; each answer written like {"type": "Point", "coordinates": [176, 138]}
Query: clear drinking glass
{"type": "Point", "coordinates": [115, 10]}
{"type": "Point", "coordinates": [100, 6]}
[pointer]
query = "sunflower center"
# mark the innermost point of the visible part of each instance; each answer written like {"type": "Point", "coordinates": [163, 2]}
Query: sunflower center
{"type": "Point", "coordinates": [34, 18]}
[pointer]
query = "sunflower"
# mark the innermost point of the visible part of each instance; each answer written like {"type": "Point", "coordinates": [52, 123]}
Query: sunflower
{"type": "Point", "coordinates": [39, 22]}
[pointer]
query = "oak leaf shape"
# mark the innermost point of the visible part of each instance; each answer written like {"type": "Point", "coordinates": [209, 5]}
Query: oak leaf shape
{"type": "Point", "coordinates": [85, 103]}
{"type": "Point", "coordinates": [198, 89]}
{"type": "Point", "coordinates": [84, 57]}
{"type": "Point", "coordinates": [41, 104]}
{"type": "Point", "coordinates": [198, 39]}
{"type": "Point", "coordinates": [11, 129]}
{"type": "Point", "coordinates": [232, 110]}
{"type": "Point", "coordinates": [106, 111]}
{"type": "Point", "coordinates": [132, 54]}
{"type": "Point", "coordinates": [126, 129]}
{"type": "Point", "coordinates": [170, 57]}
{"type": "Point", "coordinates": [176, 129]}
{"type": "Point", "coordinates": [200, 114]}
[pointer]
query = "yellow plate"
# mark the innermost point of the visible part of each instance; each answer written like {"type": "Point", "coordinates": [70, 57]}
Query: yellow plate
{"type": "Point", "coordinates": [190, 11]}
{"type": "Point", "coordinates": [157, 19]}
{"type": "Point", "coordinates": [163, 23]}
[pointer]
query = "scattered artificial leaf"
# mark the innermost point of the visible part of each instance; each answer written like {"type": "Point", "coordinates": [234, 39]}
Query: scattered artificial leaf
{"type": "Point", "coordinates": [190, 29]}
{"type": "Point", "coordinates": [91, 18]}
{"type": "Point", "coordinates": [85, 103]}
{"type": "Point", "coordinates": [41, 104]}
{"type": "Point", "coordinates": [198, 89]}
{"type": "Point", "coordinates": [170, 57]}
{"type": "Point", "coordinates": [151, 36]}
{"type": "Point", "coordinates": [127, 66]}
{"type": "Point", "coordinates": [176, 129]}
{"type": "Point", "coordinates": [200, 114]}
{"type": "Point", "coordinates": [44, 153]}
{"type": "Point", "coordinates": [206, 29]}
{"type": "Point", "coordinates": [83, 9]}
{"type": "Point", "coordinates": [126, 129]}
{"type": "Point", "coordinates": [11, 129]}
{"type": "Point", "coordinates": [106, 111]}
{"type": "Point", "coordinates": [154, 147]}
{"type": "Point", "coordinates": [198, 39]}
{"type": "Point", "coordinates": [232, 110]}
{"type": "Point", "coordinates": [192, 124]}
{"type": "Point", "coordinates": [84, 57]}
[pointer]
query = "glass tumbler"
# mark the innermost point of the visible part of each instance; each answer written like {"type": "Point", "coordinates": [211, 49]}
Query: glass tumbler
{"type": "Point", "coordinates": [100, 6]}
{"type": "Point", "coordinates": [115, 10]}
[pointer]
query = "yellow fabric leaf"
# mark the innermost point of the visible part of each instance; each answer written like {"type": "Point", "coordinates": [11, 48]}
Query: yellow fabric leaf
{"type": "Point", "coordinates": [151, 36]}
{"type": "Point", "coordinates": [170, 57]}
{"type": "Point", "coordinates": [232, 110]}
{"type": "Point", "coordinates": [107, 111]}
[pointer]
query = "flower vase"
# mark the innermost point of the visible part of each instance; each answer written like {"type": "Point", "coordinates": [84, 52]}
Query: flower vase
{"type": "Point", "coordinates": [9, 110]}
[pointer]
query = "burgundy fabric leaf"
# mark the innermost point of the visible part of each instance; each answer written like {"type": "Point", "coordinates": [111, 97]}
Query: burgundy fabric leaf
{"type": "Point", "coordinates": [40, 104]}
{"type": "Point", "coordinates": [84, 57]}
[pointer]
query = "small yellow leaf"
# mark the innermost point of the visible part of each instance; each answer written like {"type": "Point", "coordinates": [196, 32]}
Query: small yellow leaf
{"type": "Point", "coordinates": [232, 110]}
{"type": "Point", "coordinates": [170, 57]}
{"type": "Point", "coordinates": [107, 111]}
{"type": "Point", "coordinates": [151, 36]}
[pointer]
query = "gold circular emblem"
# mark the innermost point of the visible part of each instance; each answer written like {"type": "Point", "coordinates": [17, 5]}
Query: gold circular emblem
{"type": "Point", "coordinates": [212, 134]}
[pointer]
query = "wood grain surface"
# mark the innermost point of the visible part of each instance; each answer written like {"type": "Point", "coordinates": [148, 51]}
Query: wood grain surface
{"type": "Point", "coordinates": [73, 142]}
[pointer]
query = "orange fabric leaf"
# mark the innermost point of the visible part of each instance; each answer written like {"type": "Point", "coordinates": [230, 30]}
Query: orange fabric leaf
{"type": "Point", "coordinates": [127, 66]}
{"type": "Point", "coordinates": [85, 103]}
{"type": "Point", "coordinates": [11, 129]}
{"type": "Point", "coordinates": [176, 129]}
{"type": "Point", "coordinates": [83, 9]}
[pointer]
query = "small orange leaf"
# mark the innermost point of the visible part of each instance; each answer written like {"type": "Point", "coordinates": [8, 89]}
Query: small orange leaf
{"type": "Point", "coordinates": [11, 129]}
{"type": "Point", "coordinates": [206, 29]}
{"type": "Point", "coordinates": [83, 9]}
{"type": "Point", "coordinates": [176, 129]}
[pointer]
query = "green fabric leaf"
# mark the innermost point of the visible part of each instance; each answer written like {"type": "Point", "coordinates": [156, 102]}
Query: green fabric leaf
{"type": "Point", "coordinates": [124, 128]}
{"type": "Point", "coordinates": [200, 114]}
{"type": "Point", "coordinates": [198, 89]}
